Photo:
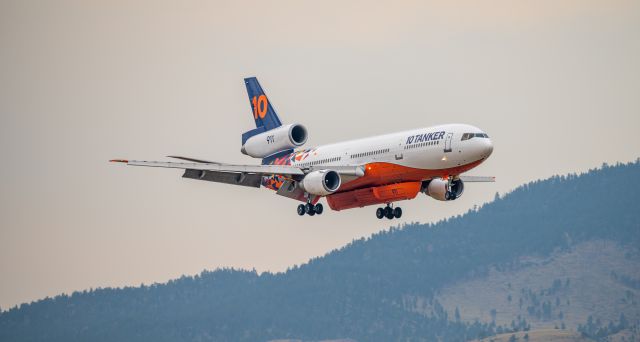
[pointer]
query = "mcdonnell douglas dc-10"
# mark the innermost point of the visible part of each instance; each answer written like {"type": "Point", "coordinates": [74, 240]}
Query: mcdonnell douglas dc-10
{"type": "Point", "coordinates": [379, 170]}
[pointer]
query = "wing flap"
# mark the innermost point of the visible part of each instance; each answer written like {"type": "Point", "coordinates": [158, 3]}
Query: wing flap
{"type": "Point", "coordinates": [244, 179]}
{"type": "Point", "coordinates": [291, 189]}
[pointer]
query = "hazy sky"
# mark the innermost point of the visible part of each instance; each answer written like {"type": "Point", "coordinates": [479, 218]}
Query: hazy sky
{"type": "Point", "coordinates": [556, 84]}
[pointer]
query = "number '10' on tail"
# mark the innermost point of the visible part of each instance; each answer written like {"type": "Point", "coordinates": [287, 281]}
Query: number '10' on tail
{"type": "Point", "coordinates": [261, 108]}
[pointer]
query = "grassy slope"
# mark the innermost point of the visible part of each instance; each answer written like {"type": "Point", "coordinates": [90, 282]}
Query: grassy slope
{"type": "Point", "coordinates": [591, 291]}
{"type": "Point", "coordinates": [544, 335]}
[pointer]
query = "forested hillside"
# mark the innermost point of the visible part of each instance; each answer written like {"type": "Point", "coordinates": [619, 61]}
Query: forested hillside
{"type": "Point", "coordinates": [383, 288]}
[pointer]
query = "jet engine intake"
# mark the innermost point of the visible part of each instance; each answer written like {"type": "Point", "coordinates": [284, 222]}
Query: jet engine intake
{"type": "Point", "coordinates": [278, 139]}
{"type": "Point", "coordinates": [321, 182]}
{"type": "Point", "coordinates": [437, 188]}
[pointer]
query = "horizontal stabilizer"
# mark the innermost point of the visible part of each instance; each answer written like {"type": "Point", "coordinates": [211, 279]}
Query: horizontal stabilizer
{"type": "Point", "coordinates": [477, 179]}
{"type": "Point", "coordinates": [194, 160]}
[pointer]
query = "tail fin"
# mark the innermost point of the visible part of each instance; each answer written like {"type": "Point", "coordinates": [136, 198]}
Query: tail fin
{"type": "Point", "coordinates": [263, 112]}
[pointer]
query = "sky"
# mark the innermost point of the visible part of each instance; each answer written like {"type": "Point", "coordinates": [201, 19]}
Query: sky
{"type": "Point", "coordinates": [555, 84]}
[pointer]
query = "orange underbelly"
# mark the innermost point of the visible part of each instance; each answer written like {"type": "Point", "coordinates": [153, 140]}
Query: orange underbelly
{"type": "Point", "coordinates": [374, 195]}
{"type": "Point", "coordinates": [377, 174]}
{"type": "Point", "coordinates": [386, 183]}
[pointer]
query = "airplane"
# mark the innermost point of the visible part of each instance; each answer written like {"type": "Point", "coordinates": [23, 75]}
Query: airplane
{"type": "Point", "coordinates": [379, 170]}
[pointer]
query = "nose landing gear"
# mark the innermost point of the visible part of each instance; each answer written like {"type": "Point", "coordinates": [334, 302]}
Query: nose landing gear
{"type": "Point", "coordinates": [389, 212]}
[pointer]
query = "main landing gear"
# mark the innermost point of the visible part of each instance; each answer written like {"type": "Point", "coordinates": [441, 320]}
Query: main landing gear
{"type": "Point", "coordinates": [389, 212]}
{"type": "Point", "coordinates": [310, 209]}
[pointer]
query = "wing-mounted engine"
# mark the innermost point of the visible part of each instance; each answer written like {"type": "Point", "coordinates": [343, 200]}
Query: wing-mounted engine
{"type": "Point", "coordinates": [439, 189]}
{"type": "Point", "coordinates": [275, 140]}
{"type": "Point", "coordinates": [322, 182]}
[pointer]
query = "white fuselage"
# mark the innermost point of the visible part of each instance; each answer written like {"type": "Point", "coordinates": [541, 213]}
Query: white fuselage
{"type": "Point", "coordinates": [432, 148]}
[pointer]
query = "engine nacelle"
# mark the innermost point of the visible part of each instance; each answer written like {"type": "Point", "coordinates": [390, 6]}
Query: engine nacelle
{"type": "Point", "coordinates": [437, 188]}
{"type": "Point", "coordinates": [322, 182]}
{"type": "Point", "coordinates": [276, 140]}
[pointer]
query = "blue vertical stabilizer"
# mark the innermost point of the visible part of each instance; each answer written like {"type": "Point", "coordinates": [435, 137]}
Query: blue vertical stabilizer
{"type": "Point", "coordinates": [261, 108]}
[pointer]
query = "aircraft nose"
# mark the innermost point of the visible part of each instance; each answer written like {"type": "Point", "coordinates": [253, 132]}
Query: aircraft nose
{"type": "Point", "coordinates": [487, 148]}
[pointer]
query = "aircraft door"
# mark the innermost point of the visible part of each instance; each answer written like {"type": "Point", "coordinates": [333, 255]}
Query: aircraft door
{"type": "Point", "coordinates": [447, 142]}
{"type": "Point", "coordinates": [398, 154]}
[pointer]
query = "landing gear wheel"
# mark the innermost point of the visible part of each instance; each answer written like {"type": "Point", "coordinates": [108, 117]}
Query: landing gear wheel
{"type": "Point", "coordinates": [308, 208]}
{"type": "Point", "coordinates": [388, 213]}
{"type": "Point", "coordinates": [380, 213]}
{"type": "Point", "coordinates": [318, 209]}
{"type": "Point", "coordinates": [397, 212]}
{"type": "Point", "coordinates": [311, 213]}
{"type": "Point", "coordinates": [301, 209]}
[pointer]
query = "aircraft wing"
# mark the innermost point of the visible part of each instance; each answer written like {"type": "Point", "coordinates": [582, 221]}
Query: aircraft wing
{"type": "Point", "coordinates": [245, 175]}
{"type": "Point", "coordinates": [258, 169]}
{"type": "Point", "coordinates": [475, 179]}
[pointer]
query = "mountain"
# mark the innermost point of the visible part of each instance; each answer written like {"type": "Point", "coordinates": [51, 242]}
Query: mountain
{"type": "Point", "coordinates": [540, 336]}
{"type": "Point", "coordinates": [567, 244]}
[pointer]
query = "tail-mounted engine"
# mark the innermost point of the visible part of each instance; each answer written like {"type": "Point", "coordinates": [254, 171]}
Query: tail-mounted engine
{"type": "Point", "coordinates": [322, 182]}
{"type": "Point", "coordinates": [275, 140]}
{"type": "Point", "coordinates": [441, 189]}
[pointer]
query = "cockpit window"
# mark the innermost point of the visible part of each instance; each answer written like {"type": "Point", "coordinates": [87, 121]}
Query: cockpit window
{"type": "Point", "coordinates": [467, 136]}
